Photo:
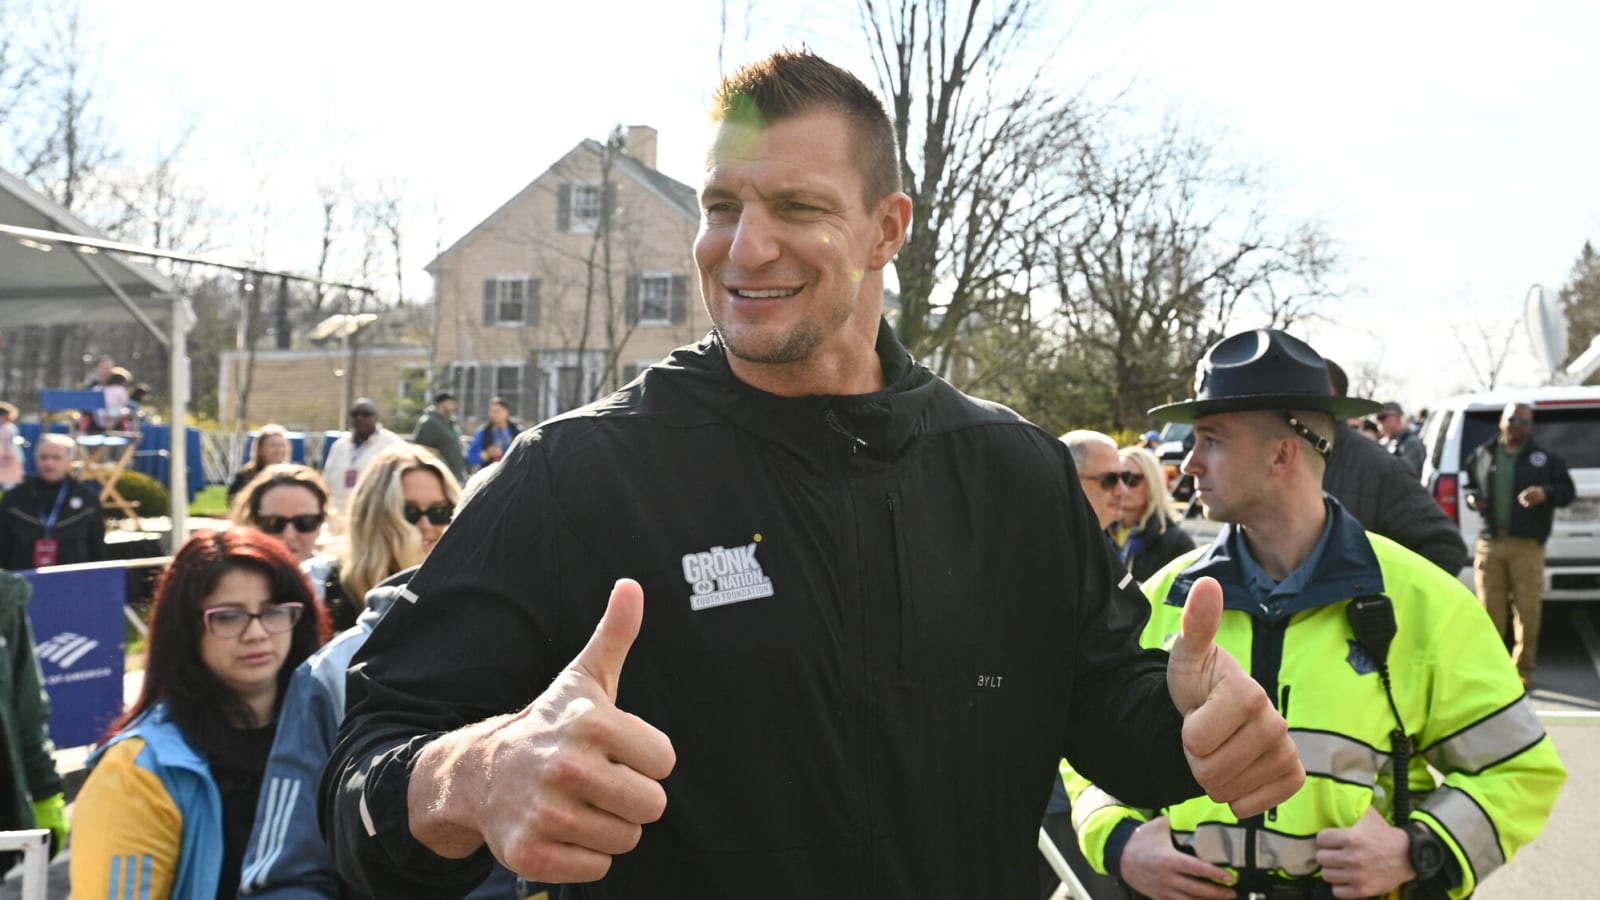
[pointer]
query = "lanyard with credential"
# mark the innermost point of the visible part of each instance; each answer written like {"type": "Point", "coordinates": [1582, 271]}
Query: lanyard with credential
{"type": "Point", "coordinates": [49, 522]}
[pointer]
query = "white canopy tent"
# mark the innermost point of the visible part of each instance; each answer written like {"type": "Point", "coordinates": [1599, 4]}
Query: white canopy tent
{"type": "Point", "coordinates": [55, 269]}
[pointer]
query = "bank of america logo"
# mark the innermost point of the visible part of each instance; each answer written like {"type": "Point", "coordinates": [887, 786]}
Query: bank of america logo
{"type": "Point", "coordinates": [66, 648]}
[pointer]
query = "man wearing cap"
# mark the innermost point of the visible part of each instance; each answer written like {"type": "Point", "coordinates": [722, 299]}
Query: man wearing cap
{"type": "Point", "coordinates": [1378, 660]}
{"type": "Point", "coordinates": [1516, 485]}
{"type": "Point", "coordinates": [437, 432]}
{"type": "Point", "coordinates": [1399, 439]}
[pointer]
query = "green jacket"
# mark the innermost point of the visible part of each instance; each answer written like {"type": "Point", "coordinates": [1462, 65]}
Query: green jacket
{"type": "Point", "coordinates": [439, 435]}
{"type": "Point", "coordinates": [1454, 686]}
{"type": "Point", "coordinates": [25, 746]}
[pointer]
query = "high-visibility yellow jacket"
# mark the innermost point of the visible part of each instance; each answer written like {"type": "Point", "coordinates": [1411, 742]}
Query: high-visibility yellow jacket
{"type": "Point", "coordinates": [1462, 703]}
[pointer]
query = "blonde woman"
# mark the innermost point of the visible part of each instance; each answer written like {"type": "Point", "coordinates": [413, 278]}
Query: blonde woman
{"type": "Point", "coordinates": [400, 507]}
{"type": "Point", "coordinates": [271, 447]}
{"type": "Point", "coordinates": [1146, 536]}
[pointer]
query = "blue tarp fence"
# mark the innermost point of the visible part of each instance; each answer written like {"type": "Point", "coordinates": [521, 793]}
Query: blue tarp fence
{"type": "Point", "coordinates": [150, 458]}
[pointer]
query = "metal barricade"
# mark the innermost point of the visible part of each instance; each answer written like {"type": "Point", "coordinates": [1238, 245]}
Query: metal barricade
{"type": "Point", "coordinates": [35, 846]}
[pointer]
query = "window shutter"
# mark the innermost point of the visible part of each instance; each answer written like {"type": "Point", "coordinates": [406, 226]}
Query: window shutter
{"type": "Point", "coordinates": [630, 301]}
{"type": "Point", "coordinates": [680, 299]}
{"type": "Point", "coordinates": [531, 311]}
{"type": "Point", "coordinates": [485, 388]}
{"type": "Point", "coordinates": [564, 208]}
{"type": "Point", "coordinates": [630, 372]}
{"type": "Point", "coordinates": [491, 299]}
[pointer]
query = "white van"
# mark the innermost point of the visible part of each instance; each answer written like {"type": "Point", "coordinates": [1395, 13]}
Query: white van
{"type": "Point", "coordinates": [1566, 421]}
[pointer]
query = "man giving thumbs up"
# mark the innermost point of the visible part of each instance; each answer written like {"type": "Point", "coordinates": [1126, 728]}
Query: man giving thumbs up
{"type": "Point", "coordinates": [876, 612]}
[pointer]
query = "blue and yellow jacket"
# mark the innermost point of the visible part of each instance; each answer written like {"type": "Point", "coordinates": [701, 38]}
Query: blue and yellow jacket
{"type": "Point", "coordinates": [148, 822]}
{"type": "Point", "coordinates": [1454, 686]}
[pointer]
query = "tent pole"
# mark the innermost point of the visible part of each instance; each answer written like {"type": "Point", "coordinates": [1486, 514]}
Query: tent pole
{"type": "Point", "coordinates": [177, 442]}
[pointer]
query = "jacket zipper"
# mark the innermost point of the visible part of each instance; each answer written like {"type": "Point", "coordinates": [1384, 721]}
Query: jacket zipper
{"type": "Point", "coordinates": [856, 443]}
{"type": "Point", "coordinates": [902, 559]}
{"type": "Point", "coordinates": [1283, 710]}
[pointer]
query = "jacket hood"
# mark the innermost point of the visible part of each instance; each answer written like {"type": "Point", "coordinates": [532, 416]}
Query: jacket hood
{"type": "Point", "coordinates": [1347, 568]}
{"type": "Point", "coordinates": [881, 424]}
{"type": "Point", "coordinates": [161, 735]}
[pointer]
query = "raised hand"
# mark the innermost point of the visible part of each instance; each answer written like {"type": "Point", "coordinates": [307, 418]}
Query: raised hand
{"type": "Point", "coordinates": [560, 787]}
{"type": "Point", "coordinates": [1237, 744]}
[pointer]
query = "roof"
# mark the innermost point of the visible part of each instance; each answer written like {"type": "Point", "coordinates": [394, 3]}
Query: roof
{"type": "Point", "coordinates": [43, 283]}
{"type": "Point", "coordinates": [676, 194]}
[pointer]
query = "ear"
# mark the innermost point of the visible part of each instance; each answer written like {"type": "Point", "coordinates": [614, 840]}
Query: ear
{"type": "Point", "coordinates": [1286, 454]}
{"type": "Point", "coordinates": [893, 219]}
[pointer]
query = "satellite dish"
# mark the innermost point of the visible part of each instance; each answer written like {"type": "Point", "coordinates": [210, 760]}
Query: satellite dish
{"type": "Point", "coordinates": [1547, 328]}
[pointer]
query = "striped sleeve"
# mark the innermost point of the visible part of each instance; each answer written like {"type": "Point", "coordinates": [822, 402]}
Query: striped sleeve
{"type": "Point", "coordinates": [126, 831]}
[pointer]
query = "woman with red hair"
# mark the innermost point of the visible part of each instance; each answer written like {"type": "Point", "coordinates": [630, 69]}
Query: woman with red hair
{"type": "Point", "coordinates": [168, 803]}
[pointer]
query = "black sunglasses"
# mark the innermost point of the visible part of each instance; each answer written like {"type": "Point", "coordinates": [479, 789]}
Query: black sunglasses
{"type": "Point", "coordinates": [438, 514]}
{"type": "Point", "coordinates": [303, 524]}
{"type": "Point", "coordinates": [1108, 481]}
{"type": "Point", "coordinates": [362, 413]}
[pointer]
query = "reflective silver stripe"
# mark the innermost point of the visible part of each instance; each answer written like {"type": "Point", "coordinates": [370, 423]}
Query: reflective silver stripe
{"type": "Point", "coordinates": [1091, 801]}
{"type": "Point", "coordinates": [1489, 740]}
{"type": "Point", "coordinates": [1470, 826]}
{"type": "Point", "coordinates": [1338, 757]}
{"type": "Point", "coordinates": [1224, 845]}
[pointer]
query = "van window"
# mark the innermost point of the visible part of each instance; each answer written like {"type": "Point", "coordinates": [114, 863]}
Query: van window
{"type": "Point", "coordinates": [1572, 434]}
{"type": "Point", "coordinates": [1433, 433]}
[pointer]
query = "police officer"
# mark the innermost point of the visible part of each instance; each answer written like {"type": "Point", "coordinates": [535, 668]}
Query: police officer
{"type": "Point", "coordinates": [1379, 661]}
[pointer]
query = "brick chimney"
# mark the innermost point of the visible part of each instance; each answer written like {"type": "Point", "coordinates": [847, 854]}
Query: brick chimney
{"type": "Point", "coordinates": [641, 144]}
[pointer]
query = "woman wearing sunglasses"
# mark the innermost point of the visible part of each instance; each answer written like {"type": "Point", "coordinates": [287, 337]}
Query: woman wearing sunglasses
{"type": "Point", "coordinates": [287, 501]}
{"type": "Point", "coordinates": [401, 505]}
{"type": "Point", "coordinates": [1147, 537]}
{"type": "Point", "coordinates": [170, 796]}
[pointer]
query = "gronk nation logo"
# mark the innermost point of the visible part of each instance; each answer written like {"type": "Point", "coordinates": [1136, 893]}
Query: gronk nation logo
{"type": "Point", "coordinates": [724, 575]}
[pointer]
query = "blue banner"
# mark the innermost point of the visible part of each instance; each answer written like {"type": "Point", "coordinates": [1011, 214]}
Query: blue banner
{"type": "Point", "coordinates": [78, 626]}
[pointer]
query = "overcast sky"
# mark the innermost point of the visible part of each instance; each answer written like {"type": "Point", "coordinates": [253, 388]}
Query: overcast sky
{"type": "Point", "coordinates": [1447, 147]}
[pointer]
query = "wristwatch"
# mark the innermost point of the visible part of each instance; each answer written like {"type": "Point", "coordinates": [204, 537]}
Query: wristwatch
{"type": "Point", "coordinates": [1427, 851]}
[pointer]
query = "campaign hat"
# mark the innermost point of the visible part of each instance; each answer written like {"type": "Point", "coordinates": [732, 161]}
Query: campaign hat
{"type": "Point", "coordinates": [1262, 369]}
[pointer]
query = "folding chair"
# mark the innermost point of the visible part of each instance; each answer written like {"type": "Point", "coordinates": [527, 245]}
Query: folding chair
{"type": "Point", "coordinates": [105, 456]}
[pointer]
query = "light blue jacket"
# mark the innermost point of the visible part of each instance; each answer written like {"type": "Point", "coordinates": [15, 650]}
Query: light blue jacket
{"type": "Point", "coordinates": [286, 855]}
{"type": "Point", "coordinates": [188, 782]}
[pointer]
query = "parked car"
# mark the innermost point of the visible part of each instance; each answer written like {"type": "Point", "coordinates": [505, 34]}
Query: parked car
{"type": "Point", "coordinates": [1566, 421]}
{"type": "Point", "coordinates": [1171, 453]}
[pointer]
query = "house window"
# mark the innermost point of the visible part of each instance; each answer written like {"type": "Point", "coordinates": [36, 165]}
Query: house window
{"type": "Point", "coordinates": [508, 387]}
{"type": "Point", "coordinates": [655, 300]}
{"type": "Point", "coordinates": [476, 383]}
{"type": "Point", "coordinates": [511, 300]}
{"type": "Point", "coordinates": [579, 206]}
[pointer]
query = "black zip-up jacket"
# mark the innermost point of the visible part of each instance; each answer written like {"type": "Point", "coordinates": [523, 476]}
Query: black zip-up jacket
{"type": "Point", "coordinates": [1384, 495]}
{"type": "Point", "coordinates": [79, 533]}
{"type": "Point", "coordinates": [1535, 466]}
{"type": "Point", "coordinates": [873, 624]}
